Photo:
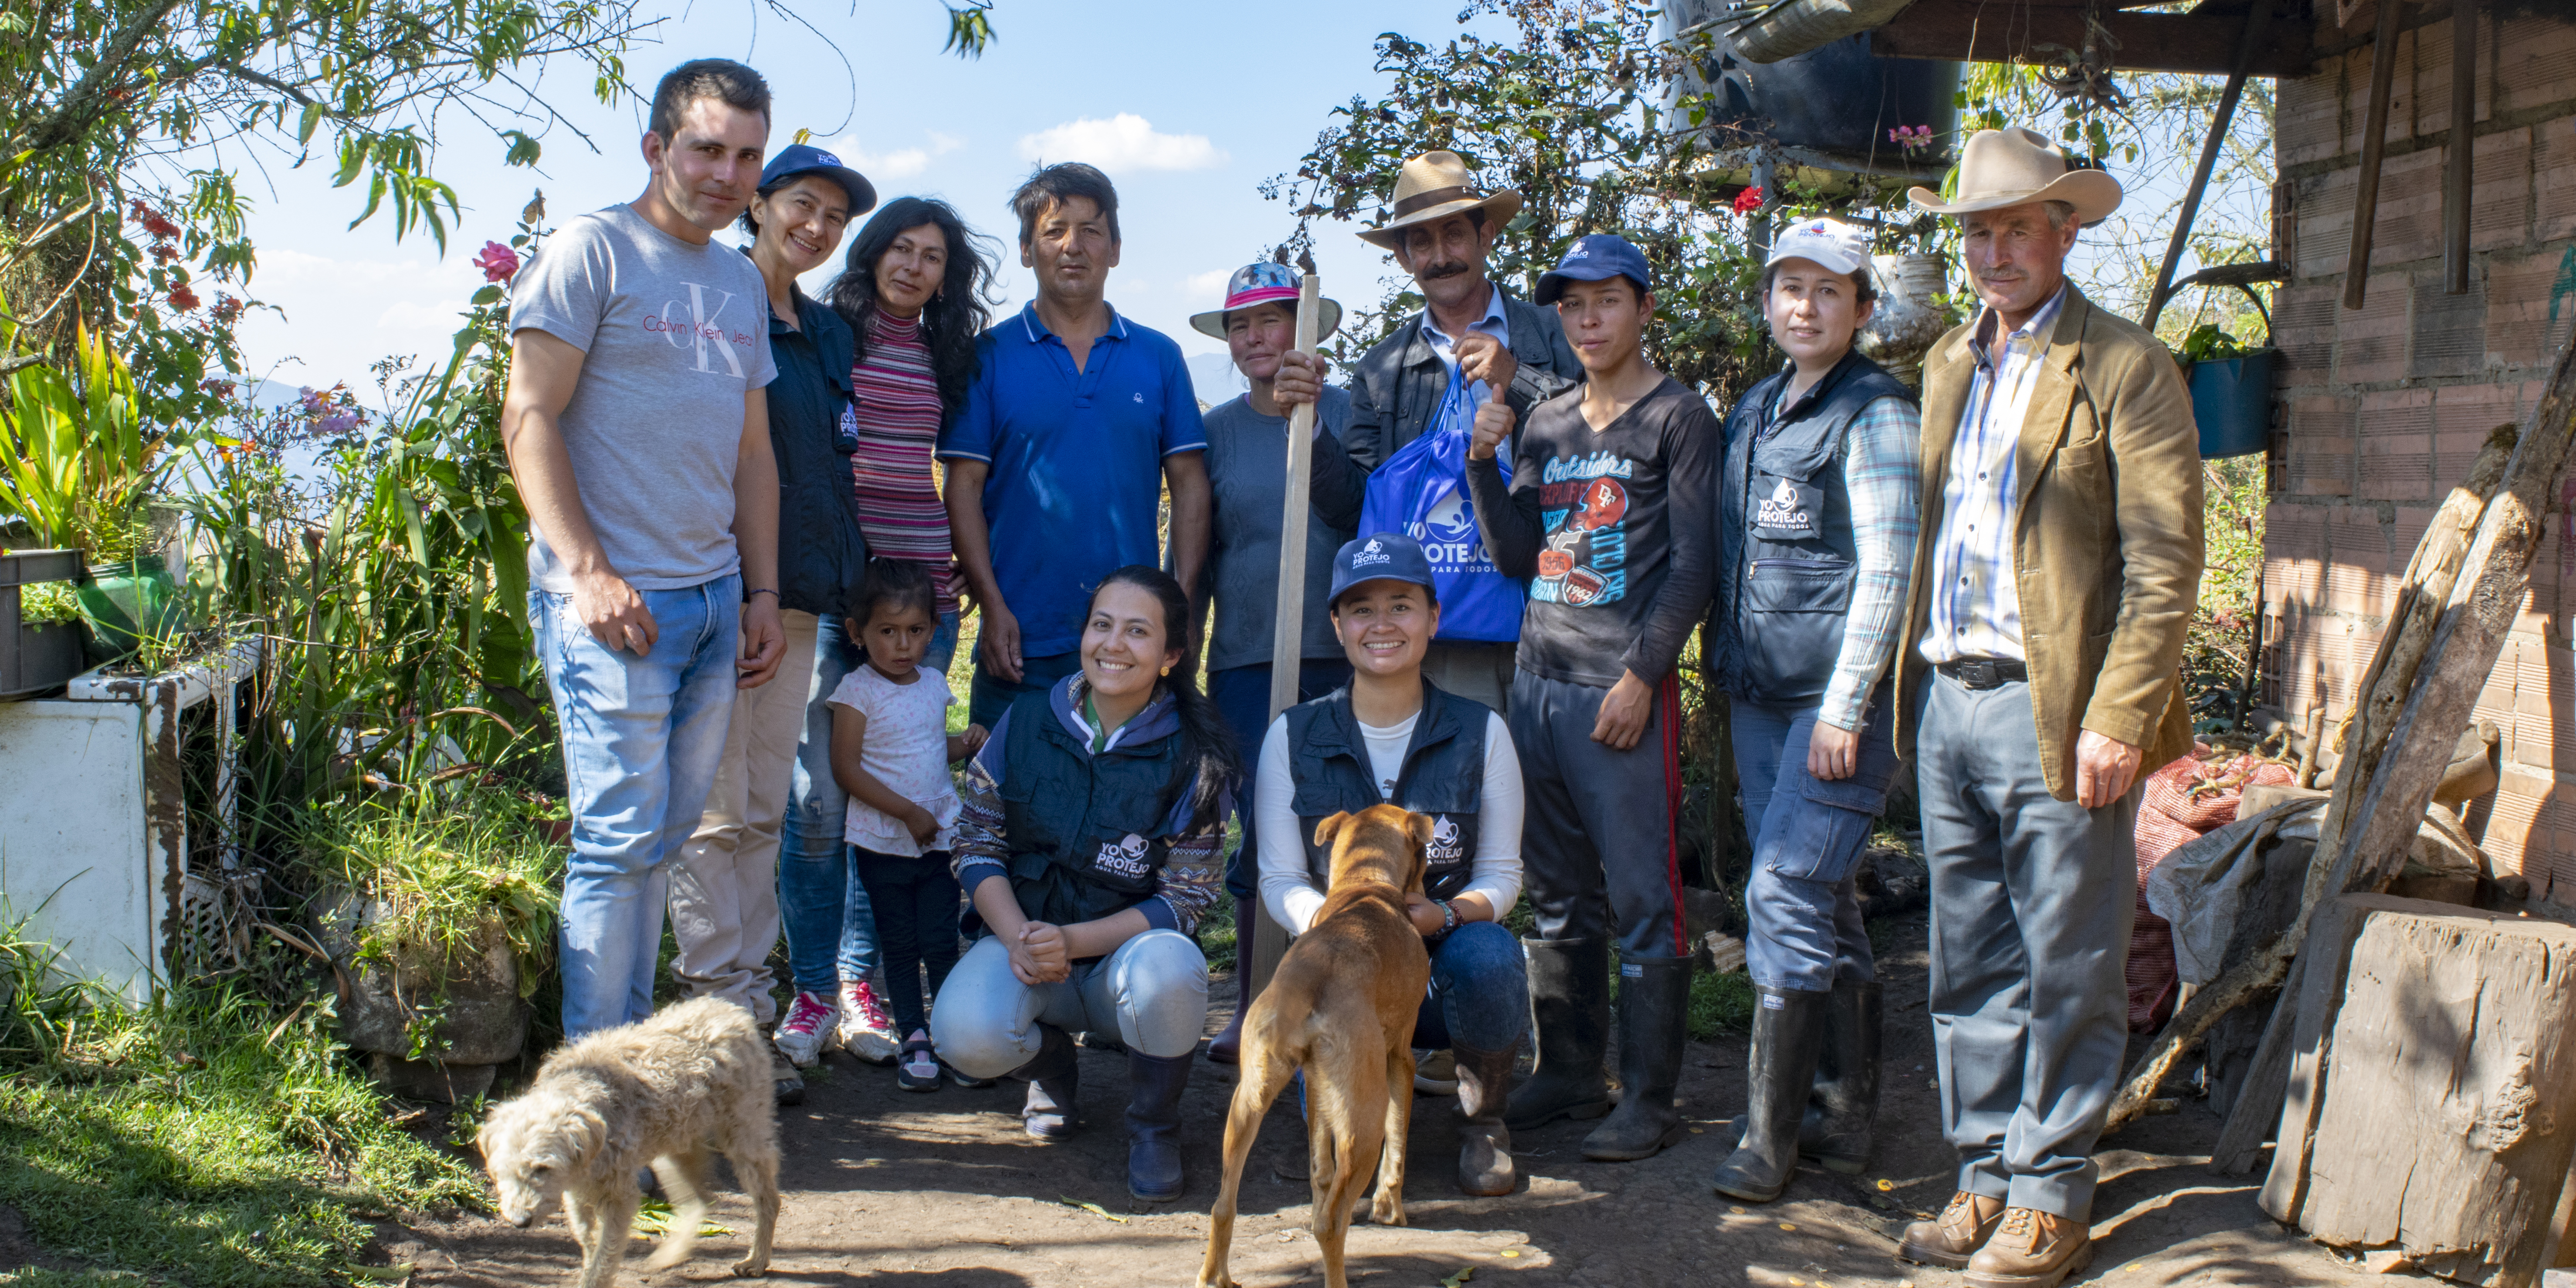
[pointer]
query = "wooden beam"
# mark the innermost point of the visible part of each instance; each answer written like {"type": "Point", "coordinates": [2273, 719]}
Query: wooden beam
{"type": "Point", "coordinates": [2247, 41]}
{"type": "Point", "coordinates": [1260, 952]}
{"type": "Point", "coordinates": [2374, 149]}
{"type": "Point", "coordinates": [1981, 31]}
{"type": "Point", "coordinates": [2463, 147]}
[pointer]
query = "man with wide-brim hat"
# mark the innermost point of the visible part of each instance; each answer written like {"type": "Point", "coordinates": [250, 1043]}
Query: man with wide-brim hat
{"type": "Point", "coordinates": [2054, 579]}
{"type": "Point", "coordinates": [1440, 227]}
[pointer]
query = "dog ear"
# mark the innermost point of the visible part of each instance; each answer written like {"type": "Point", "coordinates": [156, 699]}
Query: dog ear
{"type": "Point", "coordinates": [1417, 828]}
{"type": "Point", "coordinates": [583, 1132]}
{"type": "Point", "coordinates": [1331, 828]}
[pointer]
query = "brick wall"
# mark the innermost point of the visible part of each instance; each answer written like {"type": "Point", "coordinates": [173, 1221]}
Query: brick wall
{"type": "Point", "coordinates": [2382, 408]}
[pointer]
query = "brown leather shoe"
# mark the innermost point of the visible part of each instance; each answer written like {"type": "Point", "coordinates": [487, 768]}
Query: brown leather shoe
{"type": "Point", "coordinates": [1963, 1228]}
{"type": "Point", "coordinates": [2031, 1249]}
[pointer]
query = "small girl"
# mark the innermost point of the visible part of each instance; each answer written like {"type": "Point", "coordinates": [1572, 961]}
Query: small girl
{"type": "Point", "coordinates": [890, 751]}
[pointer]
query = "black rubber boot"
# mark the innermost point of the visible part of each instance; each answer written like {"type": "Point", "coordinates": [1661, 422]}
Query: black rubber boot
{"type": "Point", "coordinates": [1154, 1086]}
{"type": "Point", "coordinates": [1788, 1030]}
{"type": "Point", "coordinates": [1484, 1143]}
{"type": "Point", "coordinates": [1054, 1086]}
{"type": "Point", "coordinates": [1654, 1022]}
{"type": "Point", "coordinates": [1569, 984]}
{"type": "Point", "coordinates": [1841, 1115]}
{"type": "Point", "coordinates": [1227, 1046]}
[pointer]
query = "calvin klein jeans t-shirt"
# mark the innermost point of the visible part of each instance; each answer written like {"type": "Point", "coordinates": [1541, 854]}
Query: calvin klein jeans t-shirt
{"type": "Point", "coordinates": [673, 335]}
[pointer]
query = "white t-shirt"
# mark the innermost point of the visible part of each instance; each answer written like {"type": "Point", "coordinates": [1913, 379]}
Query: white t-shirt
{"type": "Point", "coordinates": [907, 750]}
{"type": "Point", "coordinates": [1288, 889]}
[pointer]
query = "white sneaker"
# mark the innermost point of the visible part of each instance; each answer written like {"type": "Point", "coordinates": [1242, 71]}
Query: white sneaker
{"type": "Point", "coordinates": [1435, 1073]}
{"type": "Point", "coordinates": [866, 1030]}
{"type": "Point", "coordinates": [808, 1026]}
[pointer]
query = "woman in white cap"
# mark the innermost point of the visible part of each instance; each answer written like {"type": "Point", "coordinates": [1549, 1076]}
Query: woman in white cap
{"type": "Point", "coordinates": [1818, 499]}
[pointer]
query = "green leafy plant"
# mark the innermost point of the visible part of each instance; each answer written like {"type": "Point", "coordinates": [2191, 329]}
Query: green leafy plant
{"type": "Point", "coordinates": [2208, 343]}
{"type": "Point", "coordinates": [47, 602]}
{"type": "Point", "coordinates": [451, 874]}
{"type": "Point", "coordinates": [77, 461]}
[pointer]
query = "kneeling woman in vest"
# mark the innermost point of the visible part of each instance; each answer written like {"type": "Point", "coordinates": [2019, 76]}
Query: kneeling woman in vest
{"type": "Point", "coordinates": [1818, 500]}
{"type": "Point", "coordinates": [1089, 843]}
{"type": "Point", "coordinates": [1391, 736]}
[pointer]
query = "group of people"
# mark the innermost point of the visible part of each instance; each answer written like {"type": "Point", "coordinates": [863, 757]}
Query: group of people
{"type": "Point", "coordinates": [747, 580]}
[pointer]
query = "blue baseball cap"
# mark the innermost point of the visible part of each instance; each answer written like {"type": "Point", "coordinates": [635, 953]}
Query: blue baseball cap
{"type": "Point", "coordinates": [1379, 556]}
{"type": "Point", "coordinates": [1592, 259]}
{"type": "Point", "coordinates": [805, 158]}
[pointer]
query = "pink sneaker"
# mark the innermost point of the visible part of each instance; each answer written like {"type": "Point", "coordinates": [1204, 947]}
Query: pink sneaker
{"type": "Point", "coordinates": [808, 1027]}
{"type": "Point", "coordinates": [866, 1030]}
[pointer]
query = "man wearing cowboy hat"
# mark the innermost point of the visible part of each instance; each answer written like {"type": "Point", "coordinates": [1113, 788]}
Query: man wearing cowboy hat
{"type": "Point", "coordinates": [1440, 229]}
{"type": "Point", "coordinates": [2053, 582]}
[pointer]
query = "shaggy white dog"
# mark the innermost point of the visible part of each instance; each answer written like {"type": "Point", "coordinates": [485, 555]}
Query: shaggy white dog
{"type": "Point", "coordinates": [667, 1091]}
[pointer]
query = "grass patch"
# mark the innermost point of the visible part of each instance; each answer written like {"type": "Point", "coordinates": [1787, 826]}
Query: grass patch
{"type": "Point", "coordinates": [1720, 1005]}
{"type": "Point", "coordinates": [211, 1139]}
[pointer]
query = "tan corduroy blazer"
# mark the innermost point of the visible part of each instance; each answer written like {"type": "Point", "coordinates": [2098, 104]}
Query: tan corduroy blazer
{"type": "Point", "coordinates": [2107, 548]}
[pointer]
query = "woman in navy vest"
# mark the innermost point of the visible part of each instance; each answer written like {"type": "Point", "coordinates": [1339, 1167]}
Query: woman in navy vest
{"type": "Point", "coordinates": [1818, 500]}
{"type": "Point", "coordinates": [1391, 736]}
{"type": "Point", "coordinates": [1089, 843]}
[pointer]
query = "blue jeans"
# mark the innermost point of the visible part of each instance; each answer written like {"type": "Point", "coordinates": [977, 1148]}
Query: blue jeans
{"type": "Point", "coordinates": [1479, 991]}
{"type": "Point", "coordinates": [1803, 900]}
{"type": "Point", "coordinates": [991, 695]}
{"type": "Point", "coordinates": [642, 737]}
{"type": "Point", "coordinates": [1242, 698]}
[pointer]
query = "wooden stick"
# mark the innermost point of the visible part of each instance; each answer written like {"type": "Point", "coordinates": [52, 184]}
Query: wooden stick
{"type": "Point", "coordinates": [2464, 145]}
{"type": "Point", "coordinates": [2374, 148]}
{"type": "Point", "coordinates": [2247, 38]}
{"type": "Point", "coordinates": [1288, 633]}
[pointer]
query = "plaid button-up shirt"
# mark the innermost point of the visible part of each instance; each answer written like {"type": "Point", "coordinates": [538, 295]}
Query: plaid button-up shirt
{"type": "Point", "coordinates": [1976, 607]}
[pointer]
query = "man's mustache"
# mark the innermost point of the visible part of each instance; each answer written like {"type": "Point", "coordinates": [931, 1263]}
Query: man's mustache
{"type": "Point", "coordinates": [1436, 272]}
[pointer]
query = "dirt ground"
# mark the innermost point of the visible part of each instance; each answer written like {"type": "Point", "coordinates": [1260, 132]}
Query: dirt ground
{"type": "Point", "coordinates": [890, 1188]}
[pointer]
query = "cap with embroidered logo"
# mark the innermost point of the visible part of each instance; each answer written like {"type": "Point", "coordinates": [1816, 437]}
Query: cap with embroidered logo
{"type": "Point", "coordinates": [1595, 258]}
{"type": "Point", "coordinates": [1379, 556]}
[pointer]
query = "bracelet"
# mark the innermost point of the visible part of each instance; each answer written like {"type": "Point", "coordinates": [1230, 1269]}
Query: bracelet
{"type": "Point", "coordinates": [1448, 916]}
{"type": "Point", "coordinates": [764, 590]}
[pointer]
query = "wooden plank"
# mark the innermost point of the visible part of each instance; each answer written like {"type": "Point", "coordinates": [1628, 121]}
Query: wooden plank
{"type": "Point", "coordinates": [2374, 148]}
{"type": "Point", "coordinates": [1288, 635]}
{"type": "Point", "coordinates": [2442, 1129]}
{"type": "Point", "coordinates": [2247, 41]}
{"type": "Point", "coordinates": [2463, 147]}
{"type": "Point", "coordinates": [1973, 31]}
{"type": "Point", "coordinates": [2303, 1047]}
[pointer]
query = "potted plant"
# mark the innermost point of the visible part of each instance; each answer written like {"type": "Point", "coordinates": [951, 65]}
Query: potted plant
{"type": "Point", "coordinates": [439, 912]}
{"type": "Point", "coordinates": [40, 621]}
{"type": "Point", "coordinates": [80, 467]}
{"type": "Point", "coordinates": [2231, 391]}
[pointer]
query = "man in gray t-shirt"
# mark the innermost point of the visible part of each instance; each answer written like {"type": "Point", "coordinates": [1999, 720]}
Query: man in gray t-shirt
{"type": "Point", "coordinates": [638, 431]}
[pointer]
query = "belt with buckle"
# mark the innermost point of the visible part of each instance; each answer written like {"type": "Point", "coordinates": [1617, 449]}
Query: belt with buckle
{"type": "Point", "coordinates": [1985, 672]}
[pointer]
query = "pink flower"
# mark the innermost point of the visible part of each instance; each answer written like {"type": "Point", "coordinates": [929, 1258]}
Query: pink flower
{"type": "Point", "coordinates": [1911, 136]}
{"type": "Point", "coordinates": [1748, 201]}
{"type": "Point", "coordinates": [498, 262]}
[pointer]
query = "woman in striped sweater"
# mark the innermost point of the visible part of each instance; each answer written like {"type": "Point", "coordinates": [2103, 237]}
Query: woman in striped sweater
{"type": "Point", "coordinates": [915, 290]}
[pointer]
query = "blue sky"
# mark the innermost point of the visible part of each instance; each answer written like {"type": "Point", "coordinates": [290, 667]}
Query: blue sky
{"type": "Point", "coordinates": [1188, 106]}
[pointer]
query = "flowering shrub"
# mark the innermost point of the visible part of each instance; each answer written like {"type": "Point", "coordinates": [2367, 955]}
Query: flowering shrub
{"type": "Point", "coordinates": [1748, 201]}
{"type": "Point", "coordinates": [498, 262]}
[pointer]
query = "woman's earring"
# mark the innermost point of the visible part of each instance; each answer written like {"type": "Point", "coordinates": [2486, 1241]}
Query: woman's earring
{"type": "Point", "coordinates": [1167, 670]}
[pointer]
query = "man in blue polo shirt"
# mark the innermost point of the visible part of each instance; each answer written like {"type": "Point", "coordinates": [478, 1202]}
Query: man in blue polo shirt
{"type": "Point", "coordinates": [1075, 422]}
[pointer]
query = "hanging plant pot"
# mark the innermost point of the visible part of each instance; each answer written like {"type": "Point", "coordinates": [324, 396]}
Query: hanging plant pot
{"type": "Point", "coordinates": [2231, 400]}
{"type": "Point", "coordinates": [127, 603]}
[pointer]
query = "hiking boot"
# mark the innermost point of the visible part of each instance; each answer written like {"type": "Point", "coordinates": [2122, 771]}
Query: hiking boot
{"type": "Point", "coordinates": [1569, 985]}
{"type": "Point", "coordinates": [1788, 1029]}
{"type": "Point", "coordinates": [2031, 1249]}
{"type": "Point", "coordinates": [1838, 1130]}
{"type": "Point", "coordinates": [784, 1080]}
{"type": "Point", "coordinates": [1484, 1144]}
{"type": "Point", "coordinates": [808, 1027]}
{"type": "Point", "coordinates": [917, 1069]}
{"type": "Point", "coordinates": [1954, 1237]}
{"type": "Point", "coordinates": [1654, 1022]}
{"type": "Point", "coordinates": [1054, 1085]}
{"type": "Point", "coordinates": [1435, 1073]}
{"type": "Point", "coordinates": [1154, 1086]}
{"type": "Point", "coordinates": [866, 1030]}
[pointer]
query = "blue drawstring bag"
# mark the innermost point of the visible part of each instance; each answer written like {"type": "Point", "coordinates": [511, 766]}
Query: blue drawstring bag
{"type": "Point", "coordinates": [1421, 492]}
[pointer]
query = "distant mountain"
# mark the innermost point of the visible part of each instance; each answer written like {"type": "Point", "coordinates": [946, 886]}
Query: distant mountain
{"type": "Point", "coordinates": [1214, 377]}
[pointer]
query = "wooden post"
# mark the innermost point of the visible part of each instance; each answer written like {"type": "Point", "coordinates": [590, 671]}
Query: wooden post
{"type": "Point", "coordinates": [2464, 145]}
{"type": "Point", "coordinates": [1288, 634]}
{"type": "Point", "coordinates": [2247, 38]}
{"type": "Point", "coordinates": [2374, 148]}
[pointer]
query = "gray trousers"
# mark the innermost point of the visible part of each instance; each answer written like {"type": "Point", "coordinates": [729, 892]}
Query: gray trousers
{"type": "Point", "coordinates": [2031, 903]}
{"type": "Point", "coordinates": [1597, 836]}
{"type": "Point", "coordinates": [1480, 671]}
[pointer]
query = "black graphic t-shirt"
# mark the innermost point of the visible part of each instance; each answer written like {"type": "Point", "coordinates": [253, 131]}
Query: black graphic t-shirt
{"type": "Point", "coordinates": [1610, 528]}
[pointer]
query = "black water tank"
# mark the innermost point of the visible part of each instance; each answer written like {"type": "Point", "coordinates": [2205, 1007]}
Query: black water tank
{"type": "Point", "coordinates": [1838, 100]}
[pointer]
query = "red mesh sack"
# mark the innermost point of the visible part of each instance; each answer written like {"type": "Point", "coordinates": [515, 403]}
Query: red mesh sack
{"type": "Point", "coordinates": [2181, 802]}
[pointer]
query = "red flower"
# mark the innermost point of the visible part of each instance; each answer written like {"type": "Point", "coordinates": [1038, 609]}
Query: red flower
{"type": "Point", "coordinates": [1748, 201]}
{"type": "Point", "coordinates": [183, 299]}
{"type": "Point", "coordinates": [498, 262]}
{"type": "Point", "coordinates": [153, 221]}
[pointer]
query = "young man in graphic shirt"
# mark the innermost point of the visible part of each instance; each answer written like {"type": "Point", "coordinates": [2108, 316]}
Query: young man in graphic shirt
{"type": "Point", "coordinates": [1607, 513]}
{"type": "Point", "coordinates": [637, 424]}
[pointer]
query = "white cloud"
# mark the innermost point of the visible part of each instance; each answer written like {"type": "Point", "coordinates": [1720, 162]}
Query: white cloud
{"type": "Point", "coordinates": [900, 163]}
{"type": "Point", "coordinates": [1123, 142]}
{"type": "Point", "coordinates": [1209, 285]}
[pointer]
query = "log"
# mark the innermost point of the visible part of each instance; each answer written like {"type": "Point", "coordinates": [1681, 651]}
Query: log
{"type": "Point", "coordinates": [2441, 1128]}
{"type": "Point", "coordinates": [2303, 1049]}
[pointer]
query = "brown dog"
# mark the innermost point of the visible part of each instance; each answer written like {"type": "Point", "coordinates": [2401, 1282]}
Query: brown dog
{"type": "Point", "coordinates": [1341, 1007]}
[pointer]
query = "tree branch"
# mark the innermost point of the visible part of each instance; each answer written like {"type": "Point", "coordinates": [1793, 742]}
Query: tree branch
{"type": "Point", "coordinates": [82, 107]}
